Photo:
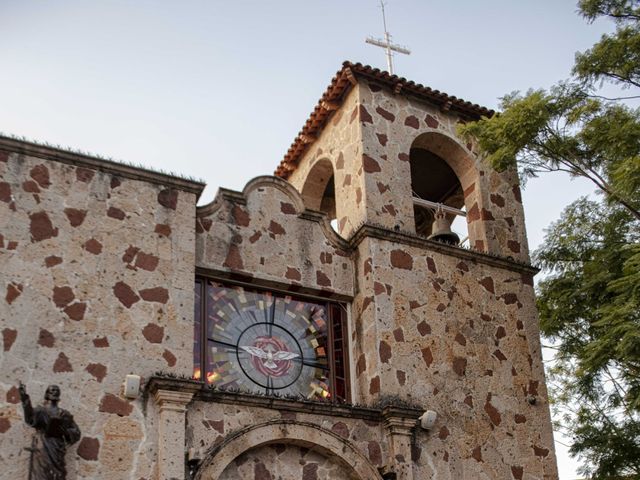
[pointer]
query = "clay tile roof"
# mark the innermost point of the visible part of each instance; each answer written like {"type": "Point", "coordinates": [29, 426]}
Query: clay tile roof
{"type": "Point", "coordinates": [340, 85]}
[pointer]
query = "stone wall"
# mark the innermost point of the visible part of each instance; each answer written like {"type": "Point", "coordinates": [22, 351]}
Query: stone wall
{"type": "Point", "coordinates": [264, 234]}
{"type": "Point", "coordinates": [285, 461]}
{"type": "Point", "coordinates": [341, 143]}
{"type": "Point", "coordinates": [436, 326]}
{"type": "Point", "coordinates": [460, 337]}
{"type": "Point", "coordinates": [96, 282]}
{"type": "Point", "coordinates": [209, 425]}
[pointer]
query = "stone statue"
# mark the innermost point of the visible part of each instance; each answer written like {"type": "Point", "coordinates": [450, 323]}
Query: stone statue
{"type": "Point", "coordinates": [55, 429]}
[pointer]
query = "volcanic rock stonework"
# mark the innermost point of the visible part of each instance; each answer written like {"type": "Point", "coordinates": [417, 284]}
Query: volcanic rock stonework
{"type": "Point", "coordinates": [74, 313]}
{"type": "Point", "coordinates": [97, 268]}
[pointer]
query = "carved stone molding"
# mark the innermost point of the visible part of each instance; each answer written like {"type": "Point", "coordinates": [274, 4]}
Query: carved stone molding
{"type": "Point", "coordinates": [399, 423]}
{"type": "Point", "coordinates": [168, 400]}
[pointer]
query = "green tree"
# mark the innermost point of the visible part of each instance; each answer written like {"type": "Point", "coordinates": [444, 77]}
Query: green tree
{"type": "Point", "coordinates": [590, 307]}
{"type": "Point", "coordinates": [589, 300]}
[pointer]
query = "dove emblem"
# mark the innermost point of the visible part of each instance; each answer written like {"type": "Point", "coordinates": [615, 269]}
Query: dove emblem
{"type": "Point", "coordinates": [269, 357]}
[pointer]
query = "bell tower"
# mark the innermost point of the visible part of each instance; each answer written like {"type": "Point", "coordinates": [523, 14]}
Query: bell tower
{"type": "Point", "coordinates": [445, 326]}
{"type": "Point", "coordinates": [381, 150]}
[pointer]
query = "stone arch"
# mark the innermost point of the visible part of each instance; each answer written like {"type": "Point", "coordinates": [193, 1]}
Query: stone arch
{"type": "Point", "coordinates": [303, 434]}
{"type": "Point", "coordinates": [439, 158]}
{"type": "Point", "coordinates": [318, 191]}
{"type": "Point", "coordinates": [451, 151]}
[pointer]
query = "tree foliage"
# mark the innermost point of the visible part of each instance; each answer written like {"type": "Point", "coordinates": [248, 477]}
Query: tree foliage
{"type": "Point", "coordinates": [589, 300]}
{"type": "Point", "coordinates": [615, 57]}
{"type": "Point", "coordinates": [566, 129]}
{"type": "Point", "coordinates": [590, 307]}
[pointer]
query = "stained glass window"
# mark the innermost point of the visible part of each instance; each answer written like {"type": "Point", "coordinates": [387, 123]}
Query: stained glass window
{"type": "Point", "coordinates": [259, 341]}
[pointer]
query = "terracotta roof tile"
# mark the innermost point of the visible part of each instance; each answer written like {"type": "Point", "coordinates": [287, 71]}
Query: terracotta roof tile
{"type": "Point", "coordinates": [340, 85]}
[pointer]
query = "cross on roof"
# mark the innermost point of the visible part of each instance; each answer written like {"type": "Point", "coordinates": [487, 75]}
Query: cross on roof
{"type": "Point", "coordinates": [386, 43]}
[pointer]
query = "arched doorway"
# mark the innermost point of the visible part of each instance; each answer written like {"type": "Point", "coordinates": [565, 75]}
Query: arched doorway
{"type": "Point", "coordinates": [286, 462]}
{"type": "Point", "coordinates": [336, 452]}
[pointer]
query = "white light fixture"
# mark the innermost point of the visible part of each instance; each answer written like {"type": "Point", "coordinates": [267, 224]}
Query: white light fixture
{"type": "Point", "coordinates": [131, 386]}
{"type": "Point", "coordinates": [428, 419]}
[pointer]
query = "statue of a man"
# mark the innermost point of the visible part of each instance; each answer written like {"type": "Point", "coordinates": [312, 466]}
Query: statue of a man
{"type": "Point", "coordinates": [55, 429]}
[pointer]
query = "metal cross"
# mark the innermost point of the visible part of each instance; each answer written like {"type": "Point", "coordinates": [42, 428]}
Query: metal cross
{"type": "Point", "coordinates": [386, 43]}
{"type": "Point", "coordinates": [31, 451]}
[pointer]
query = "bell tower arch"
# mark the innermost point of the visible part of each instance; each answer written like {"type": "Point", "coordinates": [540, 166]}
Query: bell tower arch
{"type": "Point", "coordinates": [437, 190]}
{"type": "Point", "coordinates": [318, 191]}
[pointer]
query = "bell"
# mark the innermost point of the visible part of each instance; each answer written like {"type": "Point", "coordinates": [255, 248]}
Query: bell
{"type": "Point", "coordinates": [441, 230]}
{"type": "Point", "coordinates": [424, 219]}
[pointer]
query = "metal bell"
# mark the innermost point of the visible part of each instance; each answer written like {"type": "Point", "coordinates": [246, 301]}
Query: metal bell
{"type": "Point", "coordinates": [441, 230]}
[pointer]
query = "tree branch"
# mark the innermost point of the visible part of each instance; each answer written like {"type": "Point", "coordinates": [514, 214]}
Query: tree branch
{"type": "Point", "coordinates": [631, 97]}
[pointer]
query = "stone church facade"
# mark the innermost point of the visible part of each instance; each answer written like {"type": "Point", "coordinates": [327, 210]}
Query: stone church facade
{"type": "Point", "coordinates": [270, 344]}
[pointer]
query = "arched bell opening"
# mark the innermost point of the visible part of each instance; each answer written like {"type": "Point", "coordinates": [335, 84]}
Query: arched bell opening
{"type": "Point", "coordinates": [439, 204]}
{"type": "Point", "coordinates": [318, 192]}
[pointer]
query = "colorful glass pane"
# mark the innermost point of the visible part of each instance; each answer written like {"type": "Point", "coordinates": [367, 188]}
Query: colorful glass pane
{"type": "Point", "coordinates": [258, 341]}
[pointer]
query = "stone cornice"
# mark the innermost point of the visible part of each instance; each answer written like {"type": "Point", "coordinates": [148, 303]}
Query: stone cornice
{"type": "Point", "coordinates": [403, 414]}
{"type": "Point", "coordinates": [381, 233]}
{"type": "Point", "coordinates": [94, 163]}
{"type": "Point", "coordinates": [172, 400]}
{"type": "Point", "coordinates": [399, 421]}
{"type": "Point", "coordinates": [170, 384]}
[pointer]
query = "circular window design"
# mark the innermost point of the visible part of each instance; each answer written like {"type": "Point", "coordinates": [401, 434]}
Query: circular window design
{"type": "Point", "coordinates": [270, 356]}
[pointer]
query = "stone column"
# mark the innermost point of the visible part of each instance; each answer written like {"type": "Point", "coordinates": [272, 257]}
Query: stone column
{"type": "Point", "coordinates": [399, 424]}
{"type": "Point", "coordinates": [172, 406]}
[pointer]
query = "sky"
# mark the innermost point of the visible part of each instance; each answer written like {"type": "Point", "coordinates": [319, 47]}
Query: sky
{"type": "Point", "coordinates": [219, 90]}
